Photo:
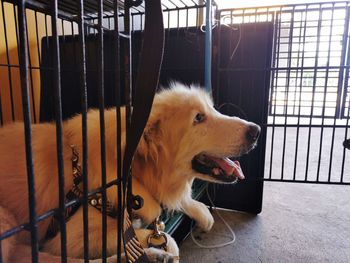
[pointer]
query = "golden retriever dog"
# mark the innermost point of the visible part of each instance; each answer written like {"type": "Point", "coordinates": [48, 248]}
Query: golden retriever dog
{"type": "Point", "coordinates": [185, 138]}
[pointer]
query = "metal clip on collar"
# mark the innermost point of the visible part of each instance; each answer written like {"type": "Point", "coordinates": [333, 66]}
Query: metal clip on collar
{"type": "Point", "coordinates": [158, 239]}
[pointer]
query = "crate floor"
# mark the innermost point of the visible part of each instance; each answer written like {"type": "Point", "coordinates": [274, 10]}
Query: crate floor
{"type": "Point", "coordinates": [299, 223]}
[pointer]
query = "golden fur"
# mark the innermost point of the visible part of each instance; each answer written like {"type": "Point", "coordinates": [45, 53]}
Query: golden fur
{"type": "Point", "coordinates": [161, 169]}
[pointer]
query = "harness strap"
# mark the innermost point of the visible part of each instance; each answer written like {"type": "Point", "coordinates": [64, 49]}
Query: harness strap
{"type": "Point", "coordinates": [133, 249]}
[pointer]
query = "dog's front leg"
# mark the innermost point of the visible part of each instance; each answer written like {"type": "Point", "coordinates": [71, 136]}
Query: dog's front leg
{"type": "Point", "coordinates": [199, 212]}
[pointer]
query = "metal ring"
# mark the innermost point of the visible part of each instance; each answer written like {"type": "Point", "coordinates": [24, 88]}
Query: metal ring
{"type": "Point", "coordinates": [158, 236]}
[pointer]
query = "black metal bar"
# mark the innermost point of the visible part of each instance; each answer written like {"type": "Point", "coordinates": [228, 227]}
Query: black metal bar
{"type": "Point", "coordinates": [345, 138]}
{"type": "Point", "coordinates": [275, 62]}
{"type": "Point", "coordinates": [83, 90]}
{"type": "Point", "coordinates": [301, 88]}
{"type": "Point", "coordinates": [8, 62]}
{"type": "Point", "coordinates": [23, 58]}
{"type": "Point", "coordinates": [313, 95]}
{"type": "Point", "coordinates": [305, 125]}
{"type": "Point", "coordinates": [307, 182]}
{"type": "Point", "coordinates": [340, 83]}
{"type": "Point", "coordinates": [116, 63]}
{"type": "Point", "coordinates": [31, 79]}
{"type": "Point", "coordinates": [58, 116]}
{"type": "Point", "coordinates": [100, 69]}
{"type": "Point", "coordinates": [324, 101]}
{"type": "Point", "coordinates": [290, 46]}
{"type": "Point", "coordinates": [128, 99]}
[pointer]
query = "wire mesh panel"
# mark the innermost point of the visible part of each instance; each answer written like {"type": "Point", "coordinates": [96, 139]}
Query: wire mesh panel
{"type": "Point", "coordinates": [58, 59]}
{"type": "Point", "coordinates": [308, 102]}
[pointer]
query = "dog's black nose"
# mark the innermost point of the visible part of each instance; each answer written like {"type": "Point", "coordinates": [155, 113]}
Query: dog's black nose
{"type": "Point", "coordinates": [253, 132]}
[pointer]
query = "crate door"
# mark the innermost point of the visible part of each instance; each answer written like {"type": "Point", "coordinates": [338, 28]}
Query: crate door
{"type": "Point", "coordinates": [243, 62]}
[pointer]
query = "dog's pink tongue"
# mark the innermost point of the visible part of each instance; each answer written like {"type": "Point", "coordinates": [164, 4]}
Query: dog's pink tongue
{"type": "Point", "coordinates": [230, 167]}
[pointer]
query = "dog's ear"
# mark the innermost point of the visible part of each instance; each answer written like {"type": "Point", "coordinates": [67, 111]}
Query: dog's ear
{"type": "Point", "coordinates": [150, 140]}
{"type": "Point", "coordinates": [152, 131]}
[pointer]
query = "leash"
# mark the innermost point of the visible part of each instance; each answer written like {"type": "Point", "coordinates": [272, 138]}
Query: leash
{"type": "Point", "coordinates": [146, 84]}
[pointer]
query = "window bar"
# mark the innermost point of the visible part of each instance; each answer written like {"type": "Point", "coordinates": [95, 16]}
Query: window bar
{"type": "Point", "coordinates": [208, 47]}
{"type": "Point", "coordinates": [277, 44]}
{"type": "Point", "coordinates": [324, 99]}
{"type": "Point", "coordinates": [31, 78]}
{"type": "Point", "coordinates": [58, 116]}
{"type": "Point", "coordinates": [117, 71]}
{"type": "Point", "coordinates": [81, 30]}
{"type": "Point", "coordinates": [23, 60]}
{"type": "Point", "coordinates": [300, 88]}
{"type": "Point", "coordinates": [8, 63]}
{"type": "Point", "coordinates": [100, 69]}
{"type": "Point", "coordinates": [286, 94]}
{"type": "Point", "coordinates": [313, 92]}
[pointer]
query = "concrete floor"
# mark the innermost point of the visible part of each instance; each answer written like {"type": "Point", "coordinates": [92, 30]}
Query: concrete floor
{"type": "Point", "coordinates": [299, 223]}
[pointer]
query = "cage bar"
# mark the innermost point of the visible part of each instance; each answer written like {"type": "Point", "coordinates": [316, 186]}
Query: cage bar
{"type": "Point", "coordinates": [59, 142]}
{"type": "Point", "coordinates": [23, 58]}
{"type": "Point", "coordinates": [83, 92]}
{"type": "Point", "coordinates": [100, 46]}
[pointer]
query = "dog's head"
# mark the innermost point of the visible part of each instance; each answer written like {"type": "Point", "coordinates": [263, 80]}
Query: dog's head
{"type": "Point", "coordinates": [195, 138]}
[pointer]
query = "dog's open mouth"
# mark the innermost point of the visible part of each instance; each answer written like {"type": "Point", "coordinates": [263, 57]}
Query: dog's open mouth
{"type": "Point", "coordinates": [220, 169]}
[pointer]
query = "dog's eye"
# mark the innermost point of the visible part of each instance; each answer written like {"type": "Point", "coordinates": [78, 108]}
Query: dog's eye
{"type": "Point", "coordinates": [200, 117]}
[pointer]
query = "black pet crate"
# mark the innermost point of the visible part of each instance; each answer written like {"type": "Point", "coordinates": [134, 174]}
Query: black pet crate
{"type": "Point", "coordinates": [262, 70]}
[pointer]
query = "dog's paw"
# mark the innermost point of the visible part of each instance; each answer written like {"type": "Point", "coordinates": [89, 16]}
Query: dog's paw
{"type": "Point", "coordinates": [156, 255]}
{"type": "Point", "coordinates": [205, 220]}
